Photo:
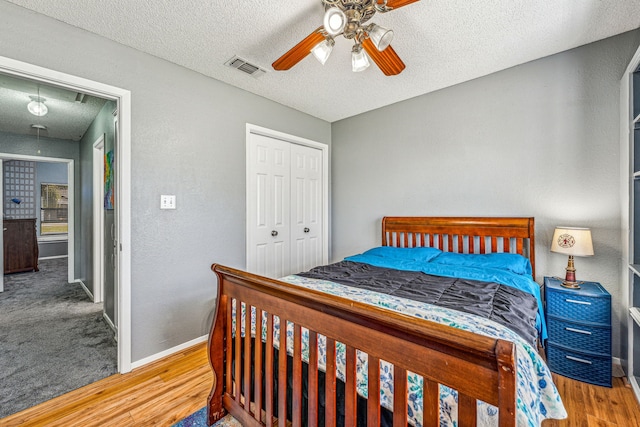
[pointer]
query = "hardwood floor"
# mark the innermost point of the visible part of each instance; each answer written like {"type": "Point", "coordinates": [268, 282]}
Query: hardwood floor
{"type": "Point", "coordinates": [158, 394]}
{"type": "Point", "coordinates": [593, 406]}
{"type": "Point", "coordinates": [172, 388]}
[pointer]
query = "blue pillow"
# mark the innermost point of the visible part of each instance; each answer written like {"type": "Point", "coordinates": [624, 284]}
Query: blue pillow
{"type": "Point", "coordinates": [409, 254]}
{"type": "Point", "coordinates": [514, 263]}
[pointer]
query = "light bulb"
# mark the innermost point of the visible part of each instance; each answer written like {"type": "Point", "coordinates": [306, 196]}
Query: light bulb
{"type": "Point", "coordinates": [334, 21]}
{"type": "Point", "coordinates": [37, 108]}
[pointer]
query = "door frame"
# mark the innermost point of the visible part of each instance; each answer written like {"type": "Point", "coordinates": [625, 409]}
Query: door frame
{"type": "Point", "coordinates": [292, 139]}
{"type": "Point", "coordinates": [2, 235]}
{"type": "Point", "coordinates": [98, 220]}
{"type": "Point", "coordinates": [122, 98]}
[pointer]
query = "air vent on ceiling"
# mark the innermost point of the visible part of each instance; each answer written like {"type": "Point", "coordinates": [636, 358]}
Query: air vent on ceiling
{"type": "Point", "coordinates": [244, 66]}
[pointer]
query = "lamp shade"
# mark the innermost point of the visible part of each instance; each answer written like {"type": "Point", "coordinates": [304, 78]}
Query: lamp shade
{"type": "Point", "coordinates": [574, 241]}
{"type": "Point", "coordinates": [380, 36]}
{"type": "Point", "coordinates": [322, 50]}
{"type": "Point", "coordinates": [359, 59]}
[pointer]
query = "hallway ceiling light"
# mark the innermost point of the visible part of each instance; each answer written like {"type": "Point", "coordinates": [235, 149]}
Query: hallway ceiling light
{"type": "Point", "coordinates": [37, 107]}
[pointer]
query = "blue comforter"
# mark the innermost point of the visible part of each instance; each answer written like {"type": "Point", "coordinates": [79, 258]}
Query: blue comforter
{"type": "Point", "coordinates": [431, 266]}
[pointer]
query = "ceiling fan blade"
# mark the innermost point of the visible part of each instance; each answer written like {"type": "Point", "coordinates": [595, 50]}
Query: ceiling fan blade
{"type": "Point", "coordinates": [394, 4]}
{"type": "Point", "coordinates": [299, 51]}
{"type": "Point", "coordinates": [388, 60]}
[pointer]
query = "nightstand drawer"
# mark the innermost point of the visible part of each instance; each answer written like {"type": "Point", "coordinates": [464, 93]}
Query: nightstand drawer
{"type": "Point", "coordinates": [579, 307]}
{"type": "Point", "coordinates": [580, 366]}
{"type": "Point", "coordinates": [579, 336]}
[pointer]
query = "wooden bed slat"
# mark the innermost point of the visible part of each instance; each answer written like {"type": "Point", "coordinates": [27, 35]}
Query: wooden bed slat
{"type": "Point", "coordinates": [399, 397]}
{"type": "Point", "coordinates": [313, 379]}
{"type": "Point", "coordinates": [238, 352]}
{"type": "Point", "coordinates": [431, 403]}
{"type": "Point", "coordinates": [467, 411]}
{"type": "Point", "coordinates": [257, 383]}
{"type": "Point", "coordinates": [297, 377]}
{"type": "Point", "coordinates": [247, 359]}
{"type": "Point", "coordinates": [268, 363]}
{"type": "Point", "coordinates": [373, 392]}
{"type": "Point", "coordinates": [282, 374]}
{"type": "Point", "coordinates": [229, 344]}
{"type": "Point", "coordinates": [330, 384]}
{"type": "Point", "coordinates": [350, 391]}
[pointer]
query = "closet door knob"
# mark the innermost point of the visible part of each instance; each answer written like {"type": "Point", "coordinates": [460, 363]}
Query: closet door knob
{"type": "Point", "coordinates": [306, 229]}
{"type": "Point", "coordinates": [274, 233]}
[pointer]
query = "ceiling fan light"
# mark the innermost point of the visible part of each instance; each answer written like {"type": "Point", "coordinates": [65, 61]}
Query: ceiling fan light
{"type": "Point", "coordinates": [359, 59]}
{"type": "Point", "coordinates": [334, 21]}
{"type": "Point", "coordinates": [380, 36]}
{"type": "Point", "coordinates": [323, 49]}
{"type": "Point", "coordinates": [37, 108]}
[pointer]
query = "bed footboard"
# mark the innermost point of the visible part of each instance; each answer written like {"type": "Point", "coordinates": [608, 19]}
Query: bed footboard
{"type": "Point", "coordinates": [478, 367]}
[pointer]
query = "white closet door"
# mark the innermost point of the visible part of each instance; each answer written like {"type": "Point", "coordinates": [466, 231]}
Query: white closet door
{"type": "Point", "coordinates": [268, 210]}
{"type": "Point", "coordinates": [306, 208]}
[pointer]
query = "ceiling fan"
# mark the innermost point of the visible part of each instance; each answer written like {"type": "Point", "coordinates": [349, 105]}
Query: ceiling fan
{"type": "Point", "coordinates": [349, 19]}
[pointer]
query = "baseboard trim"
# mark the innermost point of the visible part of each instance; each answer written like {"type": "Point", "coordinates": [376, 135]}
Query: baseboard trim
{"type": "Point", "coordinates": [53, 257]}
{"type": "Point", "coordinates": [111, 324]}
{"type": "Point", "coordinates": [88, 292]}
{"type": "Point", "coordinates": [168, 352]}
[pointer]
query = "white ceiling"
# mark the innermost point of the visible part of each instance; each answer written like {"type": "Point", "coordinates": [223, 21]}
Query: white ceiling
{"type": "Point", "coordinates": [70, 113]}
{"type": "Point", "coordinates": [442, 42]}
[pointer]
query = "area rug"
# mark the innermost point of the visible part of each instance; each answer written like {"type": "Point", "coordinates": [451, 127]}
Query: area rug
{"type": "Point", "coordinates": [199, 419]}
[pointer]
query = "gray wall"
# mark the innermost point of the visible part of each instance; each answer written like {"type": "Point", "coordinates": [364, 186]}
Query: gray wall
{"type": "Point", "coordinates": [102, 125]}
{"type": "Point", "coordinates": [188, 139]}
{"type": "Point", "coordinates": [540, 139]}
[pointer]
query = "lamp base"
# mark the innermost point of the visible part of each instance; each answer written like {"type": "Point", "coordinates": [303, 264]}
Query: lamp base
{"type": "Point", "coordinates": [570, 285]}
{"type": "Point", "coordinates": [570, 278]}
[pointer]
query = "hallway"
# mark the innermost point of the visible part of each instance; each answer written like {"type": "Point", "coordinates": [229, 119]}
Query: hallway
{"type": "Point", "coordinates": [53, 338]}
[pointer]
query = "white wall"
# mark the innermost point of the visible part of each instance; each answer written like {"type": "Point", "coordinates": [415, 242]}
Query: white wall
{"type": "Point", "coordinates": [188, 139]}
{"type": "Point", "coordinates": [540, 139]}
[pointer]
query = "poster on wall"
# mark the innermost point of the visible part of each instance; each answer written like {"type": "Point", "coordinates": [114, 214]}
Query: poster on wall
{"type": "Point", "coordinates": [108, 180]}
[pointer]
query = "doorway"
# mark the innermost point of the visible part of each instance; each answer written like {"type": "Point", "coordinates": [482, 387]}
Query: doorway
{"type": "Point", "coordinates": [122, 190]}
{"type": "Point", "coordinates": [69, 211]}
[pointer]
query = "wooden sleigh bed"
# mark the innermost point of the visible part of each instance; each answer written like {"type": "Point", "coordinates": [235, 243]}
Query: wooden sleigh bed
{"type": "Point", "coordinates": [478, 367]}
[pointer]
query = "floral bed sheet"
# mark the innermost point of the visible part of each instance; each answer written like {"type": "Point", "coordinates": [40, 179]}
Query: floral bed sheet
{"type": "Point", "coordinates": [537, 396]}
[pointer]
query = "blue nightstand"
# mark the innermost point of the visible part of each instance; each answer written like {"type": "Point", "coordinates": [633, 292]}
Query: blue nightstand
{"type": "Point", "coordinates": [579, 328]}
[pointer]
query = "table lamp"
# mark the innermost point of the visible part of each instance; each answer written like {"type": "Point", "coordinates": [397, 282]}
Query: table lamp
{"type": "Point", "coordinates": [572, 241]}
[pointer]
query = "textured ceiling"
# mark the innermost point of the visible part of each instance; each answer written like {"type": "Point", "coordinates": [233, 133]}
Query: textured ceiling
{"type": "Point", "coordinates": [69, 115]}
{"type": "Point", "coordinates": [442, 42]}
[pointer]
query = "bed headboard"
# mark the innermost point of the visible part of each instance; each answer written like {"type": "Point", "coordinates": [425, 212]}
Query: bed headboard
{"type": "Point", "coordinates": [463, 234]}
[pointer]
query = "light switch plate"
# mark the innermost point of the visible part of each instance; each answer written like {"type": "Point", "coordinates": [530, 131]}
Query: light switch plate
{"type": "Point", "coordinates": [167, 201]}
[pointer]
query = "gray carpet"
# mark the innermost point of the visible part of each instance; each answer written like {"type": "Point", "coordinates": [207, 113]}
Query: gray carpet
{"type": "Point", "coordinates": [53, 339]}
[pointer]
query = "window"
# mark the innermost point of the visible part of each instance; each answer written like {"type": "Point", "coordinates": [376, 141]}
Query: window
{"type": "Point", "coordinates": [54, 208]}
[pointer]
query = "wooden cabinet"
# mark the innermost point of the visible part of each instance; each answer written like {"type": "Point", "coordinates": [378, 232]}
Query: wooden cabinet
{"type": "Point", "coordinates": [579, 326]}
{"type": "Point", "coordinates": [20, 245]}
